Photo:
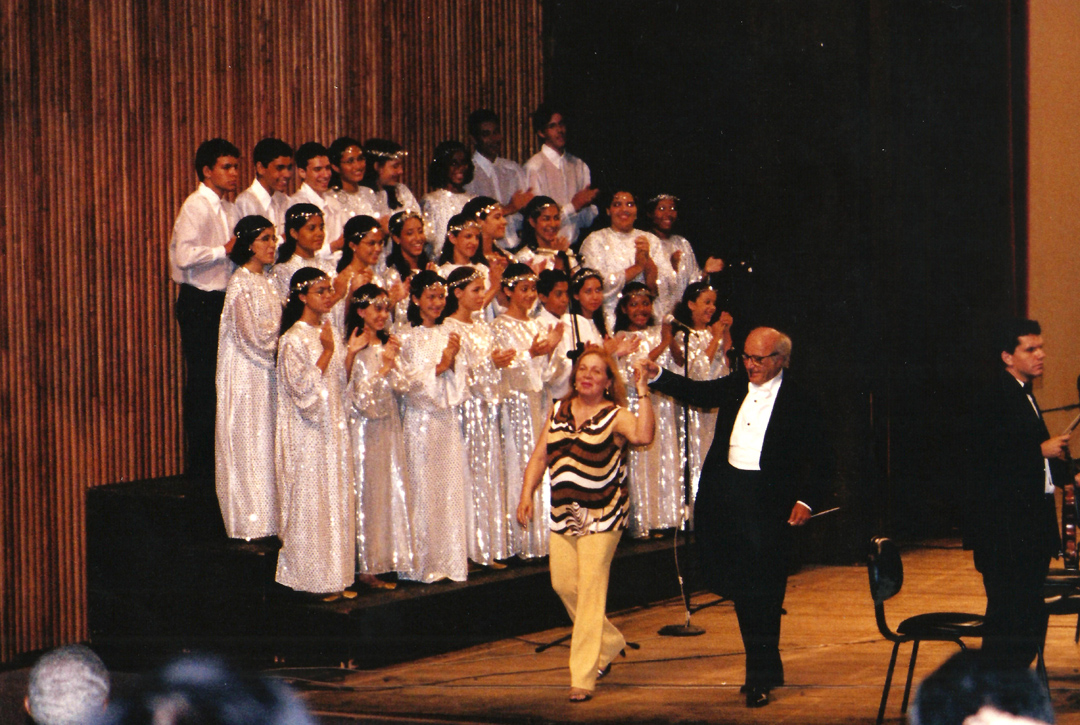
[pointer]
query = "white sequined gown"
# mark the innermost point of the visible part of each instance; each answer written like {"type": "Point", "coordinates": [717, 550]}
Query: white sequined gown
{"type": "Point", "coordinates": [481, 425]}
{"type": "Point", "coordinates": [611, 253]}
{"type": "Point", "coordinates": [702, 421]}
{"type": "Point", "coordinates": [435, 455]}
{"type": "Point", "coordinates": [688, 271]}
{"type": "Point", "coordinates": [523, 414]}
{"type": "Point", "coordinates": [358, 203]}
{"type": "Point", "coordinates": [655, 470]}
{"type": "Point", "coordinates": [381, 478]}
{"type": "Point", "coordinates": [281, 274]}
{"type": "Point", "coordinates": [437, 207]}
{"type": "Point", "coordinates": [314, 471]}
{"type": "Point", "coordinates": [246, 402]}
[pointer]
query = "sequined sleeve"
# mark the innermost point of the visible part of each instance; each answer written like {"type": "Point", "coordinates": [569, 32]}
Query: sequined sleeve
{"type": "Point", "coordinates": [370, 394]}
{"type": "Point", "coordinates": [701, 367]}
{"type": "Point", "coordinates": [300, 378]}
{"type": "Point", "coordinates": [256, 316]}
{"type": "Point", "coordinates": [421, 351]}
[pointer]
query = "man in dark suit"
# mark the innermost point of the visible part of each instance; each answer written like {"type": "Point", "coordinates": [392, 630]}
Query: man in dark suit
{"type": "Point", "coordinates": [768, 466]}
{"type": "Point", "coordinates": [1015, 528]}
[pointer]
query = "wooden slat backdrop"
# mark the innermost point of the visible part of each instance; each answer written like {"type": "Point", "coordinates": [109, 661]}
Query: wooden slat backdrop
{"type": "Point", "coordinates": [104, 103]}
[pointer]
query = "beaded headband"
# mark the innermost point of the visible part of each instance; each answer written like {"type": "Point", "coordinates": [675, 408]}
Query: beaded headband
{"type": "Point", "coordinates": [523, 277]}
{"type": "Point", "coordinates": [305, 215]}
{"type": "Point", "coordinates": [584, 273]}
{"type": "Point", "coordinates": [387, 155]}
{"type": "Point", "coordinates": [661, 197]}
{"type": "Point", "coordinates": [465, 281]}
{"type": "Point", "coordinates": [627, 295]}
{"type": "Point", "coordinates": [456, 228]}
{"type": "Point", "coordinates": [303, 286]}
{"type": "Point", "coordinates": [407, 215]}
{"type": "Point", "coordinates": [434, 285]}
{"type": "Point", "coordinates": [366, 300]}
{"type": "Point", "coordinates": [485, 210]}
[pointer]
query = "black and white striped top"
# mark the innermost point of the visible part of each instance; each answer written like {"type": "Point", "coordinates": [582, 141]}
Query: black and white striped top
{"type": "Point", "coordinates": [589, 494]}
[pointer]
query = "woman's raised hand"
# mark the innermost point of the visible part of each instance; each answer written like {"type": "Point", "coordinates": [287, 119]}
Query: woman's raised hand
{"type": "Point", "coordinates": [326, 337]}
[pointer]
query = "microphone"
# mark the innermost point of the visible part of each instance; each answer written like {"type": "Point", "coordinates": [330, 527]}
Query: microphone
{"type": "Point", "coordinates": [669, 319]}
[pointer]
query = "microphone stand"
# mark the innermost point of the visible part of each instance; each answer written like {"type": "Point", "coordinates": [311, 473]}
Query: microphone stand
{"type": "Point", "coordinates": [686, 629]}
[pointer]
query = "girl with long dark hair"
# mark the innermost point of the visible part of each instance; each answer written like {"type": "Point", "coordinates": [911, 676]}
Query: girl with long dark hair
{"type": "Point", "coordinates": [304, 236]}
{"type": "Point", "coordinates": [451, 168]}
{"type": "Point", "coordinates": [385, 169]}
{"type": "Point", "coordinates": [247, 387]}
{"type": "Point", "coordinates": [314, 475]}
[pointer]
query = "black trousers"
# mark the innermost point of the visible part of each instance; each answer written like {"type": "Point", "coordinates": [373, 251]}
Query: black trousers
{"type": "Point", "coordinates": [1015, 610]}
{"type": "Point", "coordinates": [743, 540]}
{"type": "Point", "coordinates": [199, 313]}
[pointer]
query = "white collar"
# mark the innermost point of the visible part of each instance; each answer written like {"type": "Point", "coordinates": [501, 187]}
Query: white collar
{"type": "Point", "coordinates": [260, 193]}
{"type": "Point", "coordinates": [309, 193]}
{"type": "Point", "coordinates": [769, 387]}
{"type": "Point", "coordinates": [210, 195]}
{"type": "Point", "coordinates": [552, 155]}
{"type": "Point", "coordinates": [482, 161]}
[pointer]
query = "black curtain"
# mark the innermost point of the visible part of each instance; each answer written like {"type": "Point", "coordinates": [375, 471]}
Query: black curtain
{"type": "Point", "coordinates": [862, 160]}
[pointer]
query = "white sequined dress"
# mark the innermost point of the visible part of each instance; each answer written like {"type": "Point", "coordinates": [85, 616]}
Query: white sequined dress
{"type": "Point", "coordinates": [656, 470]}
{"type": "Point", "coordinates": [281, 274]}
{"type": "Point", "coordinates": [688, 271]}
{"type": "Point", "coordinates": [435, 455]}
{"type": "Point", "coordinates": [611, 253]}
{"type": "Point", "coordinates": [358, 203]}
{"type": "Point", "coordinates": [523, 413]}
{"type": "Point", "coordinates": [246, 403]}
{"type": "Point", "coordinates": [381, 477]}
{"type": "Point", "coordinates": [437, 207]}
{"type": "Point", "coordinates": [314, 471]}
{"type": "Point", "coordinates": [702, 424]}
{"type": "Point", "coordinates": [481, 425]}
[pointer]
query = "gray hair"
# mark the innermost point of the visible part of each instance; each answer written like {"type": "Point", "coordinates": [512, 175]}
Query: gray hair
{"type": "Point", "coordinates": [68, 686]}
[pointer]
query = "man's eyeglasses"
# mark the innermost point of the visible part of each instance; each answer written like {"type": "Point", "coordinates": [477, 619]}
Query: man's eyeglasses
{"type": "Point", "coordinates": [758, 359]}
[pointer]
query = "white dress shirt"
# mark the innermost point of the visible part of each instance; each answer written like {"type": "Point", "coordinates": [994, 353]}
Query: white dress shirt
{"type": "Point", "coordinates": [500, 179]}
{"type": "Point", "coordinates": [748, 433]}
{"type": "Point", "coordinates": [560, 176]}
{"type": "Point", "coordinates": [197, 247]}
{"type": "Point", "coordinates": [257, 200]}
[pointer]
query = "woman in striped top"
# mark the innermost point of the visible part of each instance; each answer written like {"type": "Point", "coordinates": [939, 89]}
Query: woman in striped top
{"type": "Point", "coordinates": [583, 448]}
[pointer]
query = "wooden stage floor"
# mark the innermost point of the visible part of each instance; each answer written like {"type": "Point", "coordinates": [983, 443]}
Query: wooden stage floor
{"type": "Point", "coordinates": [835, 662]}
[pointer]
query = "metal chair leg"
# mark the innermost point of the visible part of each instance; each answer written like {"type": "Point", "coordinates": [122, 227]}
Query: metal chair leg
{"type": "Point", "coordinates": [1076, 634]}
{"type": "Point", "coordinates": [888, 683]}
{"type": "Point", "coordinates": [910, 673]}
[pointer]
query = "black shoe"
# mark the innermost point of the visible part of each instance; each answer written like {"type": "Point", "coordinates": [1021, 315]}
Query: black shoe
{"type": "Point", "coordinates": [603, 672]}
{"type": "Point", "coordinates": [757, 696]}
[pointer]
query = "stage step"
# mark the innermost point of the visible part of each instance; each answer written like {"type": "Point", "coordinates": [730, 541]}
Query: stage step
{"type": "Point", "coordinates": [164, 578]}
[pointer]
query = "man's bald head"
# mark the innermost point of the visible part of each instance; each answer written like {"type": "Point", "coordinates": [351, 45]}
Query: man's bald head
{"type": "Point", "coordinates": [767, 351]}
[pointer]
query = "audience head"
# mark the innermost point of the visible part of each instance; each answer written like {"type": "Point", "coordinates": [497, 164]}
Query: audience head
{"type": "Point", "coordinates": [273, 164]}
{"type": "Point", "coordinates": [368, 301]}
{"type": "Point", "coordinates": [217, 163]}
{"type": "Point", "coordinates": [969, 682]}
{"type": "Point", "coordinates": [247, 231]}
{"type": "Point", "coordinates": [201, 690]}
{"type": "Point", "coordinates": [347, 162]}
{"type": "Point", "coordinates": [486, 132]}
{"type": "Point", "coordinates": [451, 166]}
{"type": "Point", "coordinates": [68, 686]}
{"type": "Point", "coordinates": [301, 221]}
{"type": "Point", "coordinates": [313, 166]}
{"type": "Point", "coordinates": [427, 297]}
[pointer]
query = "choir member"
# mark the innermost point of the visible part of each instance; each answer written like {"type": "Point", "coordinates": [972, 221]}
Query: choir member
{"type": "Point", "coordinates": [497, 177]}
{"type": "Point", "coordinates": [304, 237]}
{"type": "Point", "coordinates": [348, 164]}
{"type": "Point", "coordinates": [524, 380]}
{"type": "Point", "coordinates": [624, 254]}
{"type": "Point", "coordinates": [662, 211]}
{"type": "Point", "coordinates": [557, 173]}
{"type": "Point", "coordinates": [268, 194]}
{"type": "Point", "coordinates": [434, 449]}
{"type": "Point", "coordinates": [656, 491]}
{"type": "Point", "coordinates": [364, 241]}
{"type": "Point", "coordinates": [198, 263]}
{"type": "Point", "coordinates": [544, 245]}
{"type": "Point", "coordinates": [480, 415]}
{"type": "Point", "coordinates": [707, 332]}
{"type": "Point", "coordinates": [313, 466]}
{"type": "Point", "coordinates": [313, 168]}
{"type": "Point", "coordinates": [407, 256]}
{"type": "Point", "coordinates": [448, 173]}
{"type": "Point", "coordinates": [381, 479]}
{"type": "Point", "coordinates": [463, 248]}
{"type": "Point", "coordinates": [247, 387]}
{"type": "Point", "coordinates": [385, 169]}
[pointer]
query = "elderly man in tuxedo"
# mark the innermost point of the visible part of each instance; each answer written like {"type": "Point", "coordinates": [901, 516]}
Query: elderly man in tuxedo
{"type": "Point", "coordinates": [768, 467]}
